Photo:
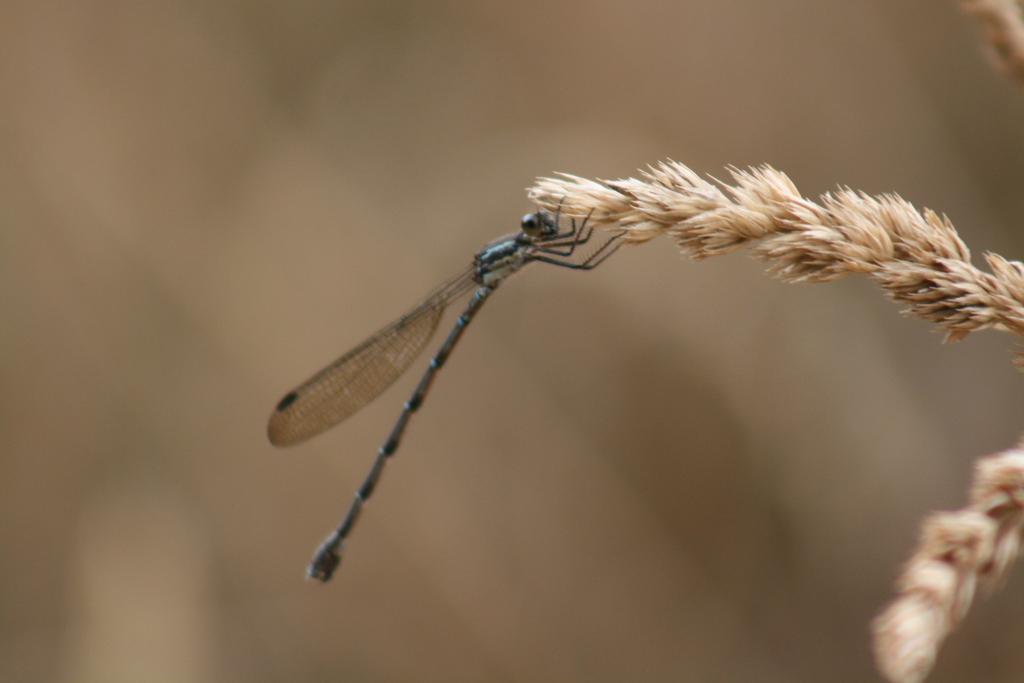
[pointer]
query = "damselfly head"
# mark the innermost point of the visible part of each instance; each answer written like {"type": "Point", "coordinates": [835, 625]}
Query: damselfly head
{"type": "Point", "coordinates": [539, 224]}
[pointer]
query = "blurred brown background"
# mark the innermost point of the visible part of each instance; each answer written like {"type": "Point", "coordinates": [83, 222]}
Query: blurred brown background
{"type": "Point", "coordinates": [657, 471]}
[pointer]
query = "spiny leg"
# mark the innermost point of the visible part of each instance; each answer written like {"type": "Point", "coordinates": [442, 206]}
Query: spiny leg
{"type": "Point", "coordinates": [328, 556]}
{"type": "Point", "coordinates": [573, 238]}
{"type": "Point", "coordinates": [550, 222]}
{"type": "Point", "coordinates": [593, 261]}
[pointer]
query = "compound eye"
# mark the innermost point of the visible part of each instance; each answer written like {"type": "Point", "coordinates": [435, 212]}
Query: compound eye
{"type": "Point", "coordinates": [532, 225]}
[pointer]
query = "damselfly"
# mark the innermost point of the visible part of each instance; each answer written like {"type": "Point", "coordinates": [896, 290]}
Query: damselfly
{"type": "Point", "coordinates": [358, 377]}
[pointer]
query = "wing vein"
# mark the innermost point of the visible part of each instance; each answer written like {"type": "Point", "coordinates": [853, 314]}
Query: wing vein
{"type": "Point", "coordinates": [362, 374]}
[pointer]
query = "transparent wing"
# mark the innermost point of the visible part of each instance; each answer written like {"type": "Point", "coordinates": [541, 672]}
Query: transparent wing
{"type": "Point", "coordinates": [362, 374]}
